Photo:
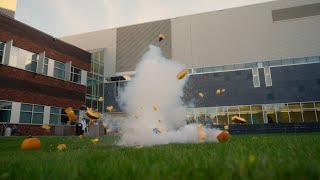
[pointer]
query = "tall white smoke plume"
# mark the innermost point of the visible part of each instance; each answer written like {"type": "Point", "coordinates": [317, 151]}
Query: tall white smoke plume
{"type": "Point", "coordinates": [152, 100]}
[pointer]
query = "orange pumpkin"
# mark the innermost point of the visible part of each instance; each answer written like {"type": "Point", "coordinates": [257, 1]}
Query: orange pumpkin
{"type": "Point", "coordinates": [223, 136]}
{"type": "Point", "coordinates": [31, 143]}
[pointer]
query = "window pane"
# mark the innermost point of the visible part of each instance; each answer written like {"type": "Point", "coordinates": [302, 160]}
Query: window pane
{"type": "Point", "coordinates": [54, 119]}
{"type": "Point", "coordinates": [239, 66]}
{"type": "Point", "coordinates": [223, 119]}
{"type": "Point", "coordinates": [256, 108]}
{"type": "Point", "coordinates": [307, 105]}
{"type": "Point", "coordinates": [46, 61]}
{"type": "Point", "coordinates": [271, 117]}
{"type": "Point", "coordinates": [45, 70]}
{"type": "Point", "coordinates": [26, 107]}
{"type": "Point", "coordinates": [257, 117]}
{"type": "Point", "coordinates": [299, 60]}
{"type": "Point", "coordinates": [295, 116]}
{"type": "Point", "coordinates": [59, 65]}
{"type": "Point", "coordinates": [275, 63]}
{"type": "Point", "coordinates": [25, 117]}
{"type": "Point", "coordinates": [287, 61]}
{"type": "Point", "coordinates": [246, 116]}
{"type": "Point", "coordinates": [37, 118]}
{"type": "Point", "coordinates": [229, 67]}
{"type": "Point", "coordinates": [54, 110]}
{"type": "Point", "coordinates": [218, 68]}
{"type": "Point", "coordinates": [76, 70]}
{"type": "Point", "coordinates": [294, 106]}
{"type": "Point", "coordinates": [5, 105]}
{"type": "Point", "coordinates": [5, 115]}
{"type": "Point", "coordinates": [76, 78]}
{"type": "Point", "coordinates": [317, 105]}
{"type": "Point", "coordinates": [58, 73]}
{"type": "Point", "coordinates": [38, 108]}
{"type": "Point", "coordinates": [309, 116]}
{"type": "Point", "coordinates": [313, 59]}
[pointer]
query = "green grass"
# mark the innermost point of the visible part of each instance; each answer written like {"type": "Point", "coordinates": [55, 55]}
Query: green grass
{"type": "Point", "coordinates": [281, 156]}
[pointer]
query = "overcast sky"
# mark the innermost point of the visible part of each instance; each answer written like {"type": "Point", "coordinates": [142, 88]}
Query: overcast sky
{"type": "Point", "coordinates": [66, 17]}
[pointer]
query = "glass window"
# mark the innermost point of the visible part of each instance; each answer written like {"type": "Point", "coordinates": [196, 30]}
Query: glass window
{"type": "Point", "coordinates": [25, 117]}
{"type": "Point", "coordinates": [1, 51]}
{"type": "Point", "coordinates": [295, 116]}
{"type": "Point", "coordinates": [26, 107]}
{"type": "Point", "coordinates": [256, 108]}
{"type": "Point", "coordinates": [189, 116]}
{"type": "Point", "coordinates": [275, 63]}
{"type": "Point", "coordinates": [207, 69]}
{"type": "Point", "coordinates": [309, 115]}
{"type": "Point", "coordinates": [31, 61]}
{"type": "Point", "coordinates": [64, 118]}
{"type": "Point", "coordinates": [75, 75]}
{"type": "Point", "coordinates": [314, 59]}
{"type": "Point", "coordinates": [59, 70]}
{"type": "Point", "coordinates": [294, 106]}
{"type": "Point", "coordinates": [239, 66]}
{"type": "Point", "coordinates": [265, 63]}
{"type": "Point", "coordinates": [282, 113]}
{"type": "Point", "coordinates": [229, 67]}
{"type": "Point", "coordinates": [31, 114]}
{"type": "Point", "coordinates": [222, 115]}
{"type": "Point", "coordinates": [198, 70]}
{"type": "Point", "coordinates": [218, 68]}
{"type": "Point", "coordinates": [299, 60]}
{"type": "Point", "coordinates": [5, 111]}
{"type": "Point", "coordinates": [211, 112]}
{"type": "Point", "coordinates": [244, 108]}
{"type": "Point", "coordinates": [287, 61]}
{"type": "Point", "coordinates": [45, 67]}
{"type": "Point", "coordinates": [307, 105]}
{"type": "Point", "coordinates": [246, 116]}
{"type": "Point", "coordinates": [257, 117]}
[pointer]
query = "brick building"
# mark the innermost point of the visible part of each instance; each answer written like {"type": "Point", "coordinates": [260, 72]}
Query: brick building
{"type": "Point", "coordinates": [40, 75]}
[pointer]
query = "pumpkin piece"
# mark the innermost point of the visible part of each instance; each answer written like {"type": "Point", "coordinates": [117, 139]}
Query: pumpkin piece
{"type": "Point", "coordinates": [182, 74]}
{"type": "Point", "coordinates": [223, 136]}
{"type": "Point", "coordinates": [31, 143]}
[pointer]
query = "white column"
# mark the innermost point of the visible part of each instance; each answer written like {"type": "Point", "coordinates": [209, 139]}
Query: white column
{"type": "Point", "coordinates": [15, 112]}
{"type": "Point", "coordinates": [7, 52]}
{"type": "Point", "coordinates": [46, 114]}
{"type": "Point", "coordinates": [50, 67]}
{"type": "Point", "coordinates": [67, 71]}
{"type": "Point", "coordinates": [84, 77]}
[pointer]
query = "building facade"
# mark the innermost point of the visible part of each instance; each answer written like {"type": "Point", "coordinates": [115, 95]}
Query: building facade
{"type": "Point", "coordinates": [40, 77]}
{"type": "Point", "coordinates": [259, 62]}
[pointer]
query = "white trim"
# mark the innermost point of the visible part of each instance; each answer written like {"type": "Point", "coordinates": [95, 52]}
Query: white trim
{"type": "Point", "coordinates": [50, 67]}
{"type": "Point", "coordinates": [7, 52]}
{"type": "Point", "coordinates": [84, 77]}
{"type": "Point", "coordinates": [46, 115]}
{"type": "Point", "coordinates": [15, 112]}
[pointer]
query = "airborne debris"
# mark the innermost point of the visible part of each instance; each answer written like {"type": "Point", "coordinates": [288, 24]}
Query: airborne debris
{"type": "Point", "coordinates": [182, 74]}
{"type": "Point", "coordinates": [70, 113]}
{"type": "Point", "coordinates": [100, 99]}
{"type": "Point", "coordinates": [61, 147]}
{"type": "Point", "coordinates": [201, 94]}
{"type": "Point", "coordinates": [109, 108]}
{"type": "Point", "coordinates": [161, 37]}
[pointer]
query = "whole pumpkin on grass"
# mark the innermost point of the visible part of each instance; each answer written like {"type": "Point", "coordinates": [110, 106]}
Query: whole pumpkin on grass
{"type": "Point", "coordinates": [31, 143]}
{"type": "Point", "coordinates": [223, 136]}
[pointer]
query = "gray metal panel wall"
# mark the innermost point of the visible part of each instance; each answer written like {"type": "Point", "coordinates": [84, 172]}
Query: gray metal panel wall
{"type": "Point", "coordinates": [296, 12]}
{"type": "Point", "coordinates": [133, 42]}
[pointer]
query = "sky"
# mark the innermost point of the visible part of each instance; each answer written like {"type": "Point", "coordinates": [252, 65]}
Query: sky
{"type": "Point", "coordinates": [67, 17]}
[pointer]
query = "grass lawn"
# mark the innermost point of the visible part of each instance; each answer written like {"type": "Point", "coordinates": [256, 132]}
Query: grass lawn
{"type": "Point", "coordinates": [281, 156]}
